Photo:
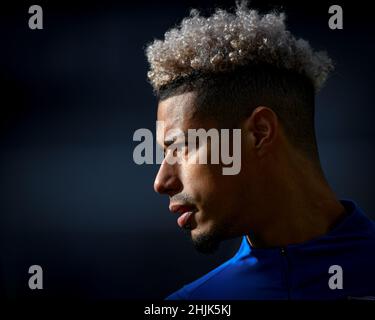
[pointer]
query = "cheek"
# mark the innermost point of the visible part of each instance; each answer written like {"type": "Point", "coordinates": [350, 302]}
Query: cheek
{"type": "Point", "coordinates": [200, 180]}
{"type": "Point", "coordinates": [195, 178]}
{"type": "Point", "coordinates": [211, 190]}
{"type": "Point", "coordinates": [229, 195]}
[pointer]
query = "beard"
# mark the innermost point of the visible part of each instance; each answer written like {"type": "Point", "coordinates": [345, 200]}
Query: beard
{"type": "Point", "coordinates": [206, 243]}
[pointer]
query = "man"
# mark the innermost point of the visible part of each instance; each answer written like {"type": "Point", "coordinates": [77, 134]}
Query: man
{"type": "Point", "coordinates": [246, 71]}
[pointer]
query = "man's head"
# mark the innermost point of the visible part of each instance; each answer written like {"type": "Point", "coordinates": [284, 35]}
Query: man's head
{"type": "Point", "coordinates": [234, 71]}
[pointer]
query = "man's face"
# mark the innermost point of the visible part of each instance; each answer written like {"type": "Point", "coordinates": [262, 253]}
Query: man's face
{"type": "Point", "coordinates": [208, 203]}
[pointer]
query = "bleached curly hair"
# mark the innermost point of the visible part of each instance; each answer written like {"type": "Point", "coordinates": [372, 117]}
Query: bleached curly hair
{"type": "Point", "coordinates": [225, 41]}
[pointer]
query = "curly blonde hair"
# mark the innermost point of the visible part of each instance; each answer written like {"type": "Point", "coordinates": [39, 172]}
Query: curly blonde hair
{"type": "Point", "coordinates": [227, 40]}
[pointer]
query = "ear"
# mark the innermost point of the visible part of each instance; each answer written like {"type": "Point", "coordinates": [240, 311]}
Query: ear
{"type": "Point", "coordinates": [262, 129]}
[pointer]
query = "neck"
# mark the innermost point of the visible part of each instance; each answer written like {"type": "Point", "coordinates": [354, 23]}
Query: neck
{"type": "Point", "coordinates": [301, 206]}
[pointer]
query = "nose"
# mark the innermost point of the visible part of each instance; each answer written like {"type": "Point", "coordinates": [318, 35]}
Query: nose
{"type": "Point", "coordinates": [167, 180]}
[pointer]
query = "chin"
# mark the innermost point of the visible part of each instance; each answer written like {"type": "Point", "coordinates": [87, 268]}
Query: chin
{"type": "Point", "coordinates": [205, 242]}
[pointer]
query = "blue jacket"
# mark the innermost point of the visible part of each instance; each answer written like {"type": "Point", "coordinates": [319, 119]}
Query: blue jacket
{"type": "Point", "coordinates": [338, 265]}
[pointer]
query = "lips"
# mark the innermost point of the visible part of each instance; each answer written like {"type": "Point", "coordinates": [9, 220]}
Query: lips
{"type": "Point", "coordinates": [185, 211]}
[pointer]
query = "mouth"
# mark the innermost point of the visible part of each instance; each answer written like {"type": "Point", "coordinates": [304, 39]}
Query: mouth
{"type": "Point", "coordinates": [186, 212]}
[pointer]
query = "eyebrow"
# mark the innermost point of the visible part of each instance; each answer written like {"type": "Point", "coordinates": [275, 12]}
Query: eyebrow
{"type": "Point", "coordinates": [169, 141]}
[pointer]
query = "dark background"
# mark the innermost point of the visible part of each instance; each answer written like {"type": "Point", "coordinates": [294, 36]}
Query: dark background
{"type": "Point", "coordinates": [71, 198]}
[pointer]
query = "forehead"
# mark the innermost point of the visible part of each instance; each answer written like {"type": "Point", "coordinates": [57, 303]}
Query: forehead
{"type": "Point", "coordinates": [177, 114]}
{"type": "Point", "coordinates": [177, 111]}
